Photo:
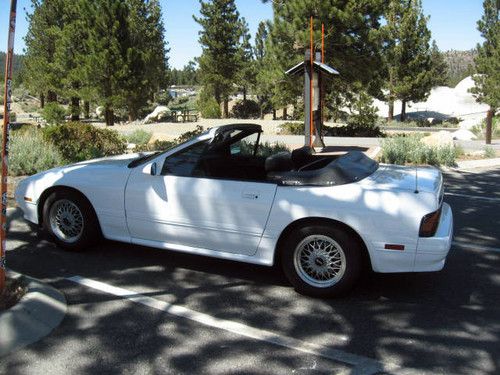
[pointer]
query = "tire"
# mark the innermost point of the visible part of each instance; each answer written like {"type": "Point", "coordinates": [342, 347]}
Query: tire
{"type": "Point", "coordinates": [305, 256]}
{"type": "Point", "coordinates": [70, 220]}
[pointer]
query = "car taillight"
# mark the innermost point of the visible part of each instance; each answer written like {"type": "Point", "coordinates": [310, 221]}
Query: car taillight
{"type": "Point", "coordinates": [429, 224]}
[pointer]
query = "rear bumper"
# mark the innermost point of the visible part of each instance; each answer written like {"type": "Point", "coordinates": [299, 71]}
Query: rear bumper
{"type": "Point", "coordinates": [431, 252]}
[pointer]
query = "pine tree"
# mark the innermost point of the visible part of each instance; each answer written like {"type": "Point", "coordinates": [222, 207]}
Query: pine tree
{"type": "Point", "coordinates": [409, 56]}
{"type": "Point", "coordinates": [263, 86]}
{"type": "Point", "coordinates": [352, 40]}
{"type": "Point", "coordinates": [488, 62]}
{"type": "Point", "coordinates": [109, 40]}
{"type": "Point", "coordinates": [246, 73]}
{"type": "Point", "coordinates": [41, 73]}
{"type": "Point", "coordinates": [219, 38]}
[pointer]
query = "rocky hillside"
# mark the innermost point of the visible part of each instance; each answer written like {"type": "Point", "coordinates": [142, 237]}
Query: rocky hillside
{"type": "Point", "coordinates": [460, 65]}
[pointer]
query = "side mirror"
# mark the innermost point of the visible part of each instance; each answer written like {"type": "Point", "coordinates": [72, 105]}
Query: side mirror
{"type": "Point", "coordinates": [151, 169]}
{"type": "Point", "coordinates": [154, 169]}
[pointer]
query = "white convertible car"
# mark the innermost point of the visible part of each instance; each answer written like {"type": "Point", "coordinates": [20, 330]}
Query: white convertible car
{"type": "Point", "coordinates": [325, 219]}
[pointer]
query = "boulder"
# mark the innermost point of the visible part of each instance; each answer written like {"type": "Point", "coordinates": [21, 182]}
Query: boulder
{"type": "Point", "coordinates": [99, 111]}
{"type": "Point", "coordinates": [158, 113]}
{"type": "Point", "coordinates": [463, 135]}
{"type": "Point", "coordinates": [160, 137]}
{"type": "Point", "coordinates": [442, 138]}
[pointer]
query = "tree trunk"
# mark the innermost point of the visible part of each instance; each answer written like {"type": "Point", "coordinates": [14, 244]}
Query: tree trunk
{"type": "Point", "coordinates": [75, 109]}
{"type": "Point", "coordinates": [403, 110]}
{"type": "Point", "coordinates": [51, 97]}
{"type": "Point", "coordinates": [489, 125]}
{"type": "Point", "coordinates": [225, 113]}
{"type": "Point", "coordinates": [261, 113]}
{"type": "Point", "coordinates": [86, 109]}
{"type": "Point", "coordinates": [390, 115]}
{"type": "Point", "coordinates": [244, 94]}
{"type": "Point", "coordinates": [285, 113]}
{"type": "Point", "coordinates": [42, 100]}
{"type": "Point", "coordinates": [274, 114]}
{"type": "Point", "coordinates": [109, 116]}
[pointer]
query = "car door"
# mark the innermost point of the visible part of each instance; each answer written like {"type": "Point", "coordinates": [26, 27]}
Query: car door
{"type": "Point", "coordinates": [178, 208]}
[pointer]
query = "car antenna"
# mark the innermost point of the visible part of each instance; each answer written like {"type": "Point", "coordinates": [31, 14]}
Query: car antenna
{"type": "Point", "coordinates": [416, 180]}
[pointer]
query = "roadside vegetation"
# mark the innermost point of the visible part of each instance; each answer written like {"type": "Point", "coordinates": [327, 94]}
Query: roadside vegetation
{"type": "Point", "coordinates": [411, 150]}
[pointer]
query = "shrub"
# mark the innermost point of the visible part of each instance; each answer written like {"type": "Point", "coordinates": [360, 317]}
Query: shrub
{"type": "Point", "coordinates": [155, 146]}
{"type": "Point", "coordinates": [292, 128]}
{"type": "Point", "coordinates": [30, 153]}
{"type": "Point", "coordinates": [246, 109]}
{"type": "Point", "coordinates": [480, 129]}
{"type": "Point", "coordinates": [489, 152]}
{"type": "Point", "coordinates": [267, 149]}
{"type": "Point", "coordinates": [190, 134]}
{"type": "Point", "coordinates": [208, 106]}
{"type": "Point", "coordinates": [77, 141]}
{"type": "Point", "coordinates": [164, 97]}
{"type": "Point", "coordinates": [53, 113]}
{"type": "Point", "coordinates": [139, 137]}
{"type": "Point", "coordinates": [410, 150]}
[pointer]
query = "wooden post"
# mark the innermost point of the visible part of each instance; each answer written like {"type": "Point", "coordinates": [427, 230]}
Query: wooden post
{"type": "Point", "coordinates": [5, 141]}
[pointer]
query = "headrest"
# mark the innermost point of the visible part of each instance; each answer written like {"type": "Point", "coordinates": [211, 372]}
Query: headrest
{"type": "Point", "coordinates": [302, 156]}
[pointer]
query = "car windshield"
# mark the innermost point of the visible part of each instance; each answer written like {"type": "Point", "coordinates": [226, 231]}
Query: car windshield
{"type": "Point", "coordinates": [144, 158]}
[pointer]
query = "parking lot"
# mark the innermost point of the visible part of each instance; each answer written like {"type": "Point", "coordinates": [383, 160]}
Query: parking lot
{"type": "Point", "coordinates": [138, 310]}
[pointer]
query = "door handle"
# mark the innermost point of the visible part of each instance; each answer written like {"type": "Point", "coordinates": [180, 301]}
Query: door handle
{"type": "Point", "coordinates": [250, 195]}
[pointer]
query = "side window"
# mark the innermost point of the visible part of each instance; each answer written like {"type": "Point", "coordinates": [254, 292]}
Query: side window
{"type": "Point", "coordinates": [184, 162]}
{"type": "Point", "coordinates": [245, 146]}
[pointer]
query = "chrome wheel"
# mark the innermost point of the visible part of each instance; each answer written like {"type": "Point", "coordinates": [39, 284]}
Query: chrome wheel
{"type": "Point", "coordinates": [66, 221]}
{"type": "Point", "coordinates": [319, 261]}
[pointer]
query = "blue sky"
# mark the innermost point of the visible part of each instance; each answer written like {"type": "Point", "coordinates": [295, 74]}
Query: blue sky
{"type": "Point", "coordinates": [452, 22]}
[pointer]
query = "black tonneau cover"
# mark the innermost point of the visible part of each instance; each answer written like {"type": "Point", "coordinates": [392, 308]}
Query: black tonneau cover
{"type": "Point", "coordinates": [351, 167]}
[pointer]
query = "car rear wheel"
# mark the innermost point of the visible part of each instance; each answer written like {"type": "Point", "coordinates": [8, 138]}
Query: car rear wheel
{"type": "Point", "coordinates": [321, 260]}
{"type": "Point", "coordinates": [71, 220]}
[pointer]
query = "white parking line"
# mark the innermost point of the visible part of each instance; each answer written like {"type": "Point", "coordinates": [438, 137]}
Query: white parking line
{"type": "Point", "coordinates": [470, 246]}
{"type": "Point", "coordinates": [362, 365]}
{"type": "Point", "coordinates": [473, 196]}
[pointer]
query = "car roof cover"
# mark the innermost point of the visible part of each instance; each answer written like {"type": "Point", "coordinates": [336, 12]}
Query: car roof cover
{"type": "Point", "coordinates": [351, 167]}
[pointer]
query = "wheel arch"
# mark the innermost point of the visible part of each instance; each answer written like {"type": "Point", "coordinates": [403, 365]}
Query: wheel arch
{"type": "Point", "coordinates": [46, 193]}
{"type": "Point", "coordinates": [318, 221]}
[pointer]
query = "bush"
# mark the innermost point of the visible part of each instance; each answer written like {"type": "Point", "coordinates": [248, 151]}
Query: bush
{"type": "Point", "coordinates": [190, 134]}
{"type": "Point", "coordinates": [77, 141]}
{"type": "Point", "coordinates": [138, 137]}
{"type": "Point", "coordinates": [292, 128]}
{"type": "Point", "coordinates": [267, 149]}
{"type": "Point", "coordinates": [489, 152]}
{"type": "Point", "coordinates": [208, 106]}
{"type": "Point", "coordinates": [246, 109]}
{"type": "Point", "coordinates": [30, 153]}
{"type": "Point", "coordinates": [164, 97]}
{"type": "Point", "coordinates": [480, 130]}
{"type": "Point", "coordinates": [410, 150]}
{"type": "Point", "coordinates": [53, 113]}
{"type": "Point", "coordinates": [363, 122]}
{"type": "Point", "coordinates": [155, 146]}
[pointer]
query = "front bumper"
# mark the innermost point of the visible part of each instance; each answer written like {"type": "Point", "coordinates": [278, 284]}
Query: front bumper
{"type": "Point", "coordinates": [432, 251]}
{"type": "Point", "coordinates": [30, 209]}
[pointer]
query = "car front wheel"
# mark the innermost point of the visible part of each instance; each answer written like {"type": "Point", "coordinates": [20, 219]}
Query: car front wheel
{"type": "Point", "coordinates": [321, 260]}
{"type": "Point", "coordinates": [71, 220]}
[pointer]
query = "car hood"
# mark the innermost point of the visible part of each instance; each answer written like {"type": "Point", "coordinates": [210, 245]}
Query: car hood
{"type": "Point", "coordinates": [427, 179]}
{"type": "Point", "coordinates": [116, 161]}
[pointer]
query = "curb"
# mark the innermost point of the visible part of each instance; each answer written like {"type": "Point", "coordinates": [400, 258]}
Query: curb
{"type": "Point", "coordinates": [481, 163]}
{"type": "Point", "coordinates": [40, 310]}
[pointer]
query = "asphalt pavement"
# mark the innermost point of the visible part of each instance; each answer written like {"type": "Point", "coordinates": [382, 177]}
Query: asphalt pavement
{"type": "Point", "coordinates": [133, 309]}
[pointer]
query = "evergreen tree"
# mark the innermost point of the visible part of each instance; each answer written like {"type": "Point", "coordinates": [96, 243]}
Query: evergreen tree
{"type": "Point", "coordinates": [352, 40]}
{"type": "Point", "coordinates": [488, 62]}
{"type": "Point", "coordinates": [263, 86]}
{"type": "Point", "coordinates": [108, 43]}
{"type": "Point", "coordinates": [246, 73]}
{"type": "Point", "coordinates": [44, 34]}
{"type": "Point", "coordinates": [409, 56]}
{"type": "Point", "coordinates": [219, 38]}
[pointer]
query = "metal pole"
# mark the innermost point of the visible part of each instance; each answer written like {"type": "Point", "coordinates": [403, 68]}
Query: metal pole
{"type": "Point", "coordinates": [311, 120]}
{"type": "Point", "coordinates": [5, 140]}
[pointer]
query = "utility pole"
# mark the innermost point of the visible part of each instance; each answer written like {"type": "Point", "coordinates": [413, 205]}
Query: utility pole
{"type": "Point", "coordinates": [5, 141]}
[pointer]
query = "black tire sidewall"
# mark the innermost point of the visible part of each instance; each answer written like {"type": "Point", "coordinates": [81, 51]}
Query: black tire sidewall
{"type": "Point", "coordinates": [90, 225]}
{"type": "Point", "coordinates": [350, 246]}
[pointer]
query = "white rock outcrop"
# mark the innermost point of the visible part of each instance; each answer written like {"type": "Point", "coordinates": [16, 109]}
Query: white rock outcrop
{"type": "Point", "coordinates": [158, 113]}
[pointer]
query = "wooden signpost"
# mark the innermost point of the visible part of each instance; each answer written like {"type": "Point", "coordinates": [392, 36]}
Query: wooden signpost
{"type": "Point", "coordinates": [5, 139]}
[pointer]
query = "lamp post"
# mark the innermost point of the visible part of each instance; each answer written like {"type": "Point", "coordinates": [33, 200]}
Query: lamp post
{"type": "Point", "coordinates": [5, 140]}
